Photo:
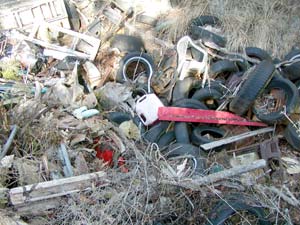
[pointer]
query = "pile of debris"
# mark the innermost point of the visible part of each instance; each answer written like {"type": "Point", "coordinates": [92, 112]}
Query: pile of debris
{"type": "Point", "coordinates": [103, 122]}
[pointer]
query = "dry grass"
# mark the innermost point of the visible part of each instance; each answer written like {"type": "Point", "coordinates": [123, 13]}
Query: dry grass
{"type": "Point", "coordinates": [268, 24]}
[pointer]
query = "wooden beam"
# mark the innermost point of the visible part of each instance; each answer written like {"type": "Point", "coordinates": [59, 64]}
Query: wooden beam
{"type": "Point", "coordinates": [229, 140]}
{"type": "Point", "coordinates": [56, 188]}
{"type": "Point", "coordinates": [196, 182]}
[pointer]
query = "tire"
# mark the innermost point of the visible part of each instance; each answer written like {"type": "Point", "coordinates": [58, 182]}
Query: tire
{"type": "Point", "coordinates": [188, 149]}
{"type": "Point", "coordinates": [118, 117]}
{"type": "Point", "coordinates": [189, 103]}
{"type": "Point", "coordinates": [166, 139]}
{"type": "Point", "coordinates": [181, 128]}
{"type": "Point", "coordinates": [258, 53]}
{"type": "Point", "coordinates": [241, 63]}
{"type": "Point", "coordinates": [183, 88]}
{"type": "Point", "coordinates": [292, 71]}
{"type": "Point", "coordinates": [182, 133]}
{"type": "Point", "coordinates": [292, 137]}
{"type": "Point", "coordinates": [127, 43]}
{"type": "Point", "coordinates": [206, 36]}
{"type": "Point", "coordinates": [205, 20]}
{"type": "Point", "coordinates": [136, 120]}
{"type": "Point", "coordinates": [297, 83]}
{"type": "Point", "coordinates": [218, 84]}
{"type": "Point", "coordinates": [198, 134]}
{"type": "Point", "coordinates": [292, 100]}
{"type": "Point", "coordinates": [257, 80]}
{"type": "Point", "coordinates": [231, 205]}
{"type": "Point", "coordinates": [154, 133]}
{"type": "Point", "coordinates": [131, 59]}
{"type": "Point", "coordinates": [205, 94]}
{"type": "Point", "coordinates": [196, 55]}
{"type": "Point", "coordinates": [222, 66]}
{"type": "Point", "coordinates": [140, 89]}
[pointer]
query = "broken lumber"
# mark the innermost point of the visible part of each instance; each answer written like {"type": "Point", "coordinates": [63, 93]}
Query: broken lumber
{"type": "Point", "coordinates": [56, 188]}
{"type": "Point", "coordinates": [197, 182]}
{"type": "Point", "coordinates": [232, 139]}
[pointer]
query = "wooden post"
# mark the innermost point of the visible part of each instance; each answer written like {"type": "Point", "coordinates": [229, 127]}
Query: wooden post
{"type": "Point", "coordinates": [196, 183]}
{"type": "Point", "coordinates": [229, 140]}
{"type": "Point", "coordinates": [56, 188]}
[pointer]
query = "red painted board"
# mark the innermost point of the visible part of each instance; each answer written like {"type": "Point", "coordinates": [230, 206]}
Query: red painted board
{"type": "Point", "coordinates": [203, 116]}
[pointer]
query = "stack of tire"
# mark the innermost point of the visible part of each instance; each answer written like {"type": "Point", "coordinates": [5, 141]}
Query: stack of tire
{"type": "Point", "coordinates": [262, 77]}
{"type": "Point", "coordinates": [257, 75]}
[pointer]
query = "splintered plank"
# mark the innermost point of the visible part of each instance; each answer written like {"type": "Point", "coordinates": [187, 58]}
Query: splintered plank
{"type": "Point", "coordinates": [56, 188]}
{"type": "Point", "coordinates": [232, 139]}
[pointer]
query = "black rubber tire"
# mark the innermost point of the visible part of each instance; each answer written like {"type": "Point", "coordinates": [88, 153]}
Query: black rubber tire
{"type": "Point", "coordinates": [198, 137]}
{"type": "Point", "coordinates": [292, 71]}
{"type": "Point", "coordinates": [182, 133]}
{"type": "Point", "coordinates": [140, 89]}
{"type": "Point", "coordinates": [206, 36]}
{"type": "Point", "coordinates": [276, 61]}
{"type": "Point", "coordinates": [188, 149]}
{"type": "Point", "coordinates": [223, 66]}
{"type": "Point", "coordinates": [297, 83]}
{"type": "Point", "coordinates": [257, 80]}
{"type": "Point", "coordinates": [134, 57]}
{"type": "Point", "coordinates": [204, 94]}
{"type": "Point", "coordinates": [218, 84]}
{"type": "Point", "coordinates": [258, 53]}
{"type": "Point", "coordinates": [137, 121]}
{"type": "Point", "coordinates": [292, 100]}
{"type": "Point", "coordinates": [189, 103]}
{"type": "Point", "coordinates": [241, 63]}
{"type": "Point", "coordinates": [198, 56]}
{"type": "Point", "coordinates": [127, 43]}
{"type": "Point", "coordinates": [292, 137]}
{"type": "Point", "coordinates": [238, 202]}
{"type": "Point", "coordinates": [183, 88]}
{"type": "Point", "coordinates": [181, 128]}
{"type": "Point", "coordinates": [118, 117]}
{"type": "Point", "coordinates": [68, 63]}
{"type": "Point", "coordinates": [154, 133]}
{"type": "Point", "coordinates": [166, 139]}
{"type": "Point", "coordinates": [205, 20]}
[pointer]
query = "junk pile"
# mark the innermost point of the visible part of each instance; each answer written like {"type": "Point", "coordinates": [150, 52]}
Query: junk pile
{"type": "Point", "coordinates": [102, 122]}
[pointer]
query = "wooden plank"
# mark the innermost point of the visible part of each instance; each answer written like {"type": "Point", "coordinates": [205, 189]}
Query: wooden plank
{"type": "Point", "coordinates": [232, 139]}
{"type": "Point", "coordinates": [56, 188]}
{"type": "Point", "coordinates": [89, 53]}
{"type": "Point", "coordinates": [39, 207]}
{"type": "Point", "coordinates": [203, 116]}
{"type": "Point", "coordinates": [196, 183]}
{"type": "Point", "coordinates": [58, 48]}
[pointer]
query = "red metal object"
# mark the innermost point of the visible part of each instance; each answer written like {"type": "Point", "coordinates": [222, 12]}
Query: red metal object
{"type": "Point", "coordinates": [107, 155]}
{"type": "Point", "coordinates": [203, 116]}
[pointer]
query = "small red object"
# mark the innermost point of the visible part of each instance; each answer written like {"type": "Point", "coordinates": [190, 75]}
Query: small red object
{"type": "Point", "coordinates": [106, 155]}
{"type": "Point", "coordinates": [204, 116]}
